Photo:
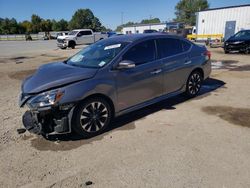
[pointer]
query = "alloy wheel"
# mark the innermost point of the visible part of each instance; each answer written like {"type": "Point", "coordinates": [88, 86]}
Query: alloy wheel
{"type": "Point", "coordinates": [94, 116]}
{"type": "Point", "coordinates": [194, 83]}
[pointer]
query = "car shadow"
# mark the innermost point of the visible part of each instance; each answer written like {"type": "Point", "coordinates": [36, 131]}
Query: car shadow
{"type": "Point", "coordinates": [209, 85]}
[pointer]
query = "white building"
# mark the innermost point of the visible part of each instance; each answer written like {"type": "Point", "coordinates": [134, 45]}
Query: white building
{"type": "Point", "coordinates": [225, 20]}
{"type": "Point", "coordinates": [139, 28]}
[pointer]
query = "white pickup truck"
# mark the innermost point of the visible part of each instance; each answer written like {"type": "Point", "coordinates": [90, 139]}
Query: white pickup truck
{"type": "Point", "coordinates": [79, 36]}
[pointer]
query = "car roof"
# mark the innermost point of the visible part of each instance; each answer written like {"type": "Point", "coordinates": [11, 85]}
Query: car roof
{"type": "Point", "coordinates": [136, 37]}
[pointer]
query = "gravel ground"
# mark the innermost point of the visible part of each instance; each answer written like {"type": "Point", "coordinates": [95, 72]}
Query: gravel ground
{"type": "Point", "coordinates": [203, 142]}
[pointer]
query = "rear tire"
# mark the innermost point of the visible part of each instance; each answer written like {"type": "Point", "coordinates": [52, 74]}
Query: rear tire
{"type": "Point", "coordinates": [91, 117]}
{"type": "Point", "coordinates": [193, 84]}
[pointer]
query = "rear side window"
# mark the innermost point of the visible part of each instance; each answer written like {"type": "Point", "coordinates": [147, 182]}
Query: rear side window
{"type": "Point", "coordinates": [169, 46]}
{"type": "Point", "coordinates": [185, 45]}
{"type": "Point", "coordinates": [81, 33]}
{"type": "Point", "coordinates": [141, 53]}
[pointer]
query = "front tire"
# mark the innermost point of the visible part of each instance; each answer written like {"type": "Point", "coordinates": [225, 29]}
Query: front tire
{"type": "Point", "coordinates": [247, 50]}
{"type": "Point", "coordinates": [72, 44]}
{"type": "Point", "coordinates": [193, 84]}
{"type": "Point", "coordinates": [91, 117]}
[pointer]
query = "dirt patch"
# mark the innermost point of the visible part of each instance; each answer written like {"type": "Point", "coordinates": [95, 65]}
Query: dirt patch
{"type": "Point", "coordinates": [48, 55]}
{"type": "Point", "coordinates": [4, 61]}
{"type": "Point", "coordinates": [241, 68]}
{"type": "Point", "coordinates": [42, 144]}
{"type": "Point", "coordinates": [224, 64]}
{"type": "Point", "coordinates": [59, 59]}
{"type": "Point", "coordinates": [66, 142]}
{"type": "Point", "coordinates": [236, 116]}
{"type": "Point", "coordinates": [20, 75]}
{"type": "Point", "coordinates": [19, 58]}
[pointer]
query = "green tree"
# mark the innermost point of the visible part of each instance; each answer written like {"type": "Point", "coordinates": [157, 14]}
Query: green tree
{"type": "Point", "coordinates": [4, 26]}
{"type": "Point", "coordinates": [36, 23]}
{"type": "Point", "coordinates": [84, 18]}
{"type": "Point", "coordinates": [61, 25]}
{"type": "Point", "coordinates": [153, 20]}
{"type": "Point", "coordinates": [9, 26]}
{"type": "Point", "coordinates": [186, 9]}
{"type": "Point", "coordinates": [1, 29]}
{"type": "Point", "coordinates": [46, 25]}
{"type": "Point", "coordinates": [13, 26]}
{"type": "Point", "coordinates": [144, 21]}
{"type": "Point", "coordinates": [26, 26]}
{"type": "Point", "coordinates": [119, 28]}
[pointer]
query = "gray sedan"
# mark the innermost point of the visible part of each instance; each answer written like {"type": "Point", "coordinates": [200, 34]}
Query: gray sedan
{"type": "Point", "coordinates": [110, 78]}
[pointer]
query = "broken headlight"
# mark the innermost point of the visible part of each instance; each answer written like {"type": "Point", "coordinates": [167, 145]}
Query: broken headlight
{"type": "Point", "coordinates": [45, 99]}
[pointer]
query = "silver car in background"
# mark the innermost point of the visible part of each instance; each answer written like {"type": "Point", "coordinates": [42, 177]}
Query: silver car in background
{"type": "Point", "coordinates": [110, 78]}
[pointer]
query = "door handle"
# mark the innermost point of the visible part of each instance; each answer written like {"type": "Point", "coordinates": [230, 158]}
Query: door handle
{"type": "Point", "coordinates": [157, 71]}
{"type": "Point", "coordinates": [188, 62]}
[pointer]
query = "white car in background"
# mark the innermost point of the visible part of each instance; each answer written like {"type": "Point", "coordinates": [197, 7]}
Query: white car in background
{"type": "Point", "coordinates": [79, 36]}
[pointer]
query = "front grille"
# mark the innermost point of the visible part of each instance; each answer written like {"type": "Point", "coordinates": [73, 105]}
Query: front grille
{"type": "Point", "coordinates": [60, 40]}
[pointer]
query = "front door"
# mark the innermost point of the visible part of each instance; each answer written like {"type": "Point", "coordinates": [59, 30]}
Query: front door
{"type": "Point", "coordinates": [85, 37]}
{"type": "Point", "coordinates": [229, 29]}
{"type": "Point", "coordinates": [143, 82]}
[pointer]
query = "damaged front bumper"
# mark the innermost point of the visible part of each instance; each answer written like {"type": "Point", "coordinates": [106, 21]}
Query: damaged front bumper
{"type": "Point", "coordinates": [46, 115]}
{"type": "Point", "coordinates": [48, 121]}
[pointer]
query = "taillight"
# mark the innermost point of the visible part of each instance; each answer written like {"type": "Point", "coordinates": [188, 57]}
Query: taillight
{"type": "Point", "coordinates": [208, 54]}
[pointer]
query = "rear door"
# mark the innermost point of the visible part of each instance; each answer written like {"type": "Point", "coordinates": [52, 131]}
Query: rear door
{"type": "Point", "coordinates": [144, 81]}
{"type": "Point", "coordinates": [174, 54]}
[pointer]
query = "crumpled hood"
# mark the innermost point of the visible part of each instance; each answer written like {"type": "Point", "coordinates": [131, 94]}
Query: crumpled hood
{"type": "Point", "coordinates": [55, 75]}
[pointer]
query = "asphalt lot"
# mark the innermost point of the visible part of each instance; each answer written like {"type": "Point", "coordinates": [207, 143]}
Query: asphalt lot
{"type": "Point", "coordinates": [14, 48]}
{"type": "Point", "coordinates": [203, 142]}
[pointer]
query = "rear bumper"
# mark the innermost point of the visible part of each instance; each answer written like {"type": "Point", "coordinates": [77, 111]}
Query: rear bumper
{"type": "Point", "coordinates": [207, 69]}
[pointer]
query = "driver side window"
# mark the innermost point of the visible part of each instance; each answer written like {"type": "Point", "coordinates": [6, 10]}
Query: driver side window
{"type": "Point", "coordinates": [80, 34]}
{"type": "Point", "coordinates": [141, 53]}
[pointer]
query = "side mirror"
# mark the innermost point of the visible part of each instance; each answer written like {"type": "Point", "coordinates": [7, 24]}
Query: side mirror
{"type": "Point", "coordinates": [126, 64]}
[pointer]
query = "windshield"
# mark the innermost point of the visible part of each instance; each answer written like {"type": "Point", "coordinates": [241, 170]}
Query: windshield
{"type": "Point", "coordinates": [97, 55]}
{"type": "Point", "coordinates": [242, 34]}
{"type": "Point", "coordinates": [73, 32]}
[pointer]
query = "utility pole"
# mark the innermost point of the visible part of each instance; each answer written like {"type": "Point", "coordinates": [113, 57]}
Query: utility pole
{"type": "Point", "coordinates": [150, 17]}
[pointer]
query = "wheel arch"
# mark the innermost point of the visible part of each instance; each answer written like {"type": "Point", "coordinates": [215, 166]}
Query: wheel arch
{"type": "Point", "coordinates": [71, 42]}
{"type": "Point", "coordinates": [198, 69]}
{"type": "Point", "coordinates": [105, 97]}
